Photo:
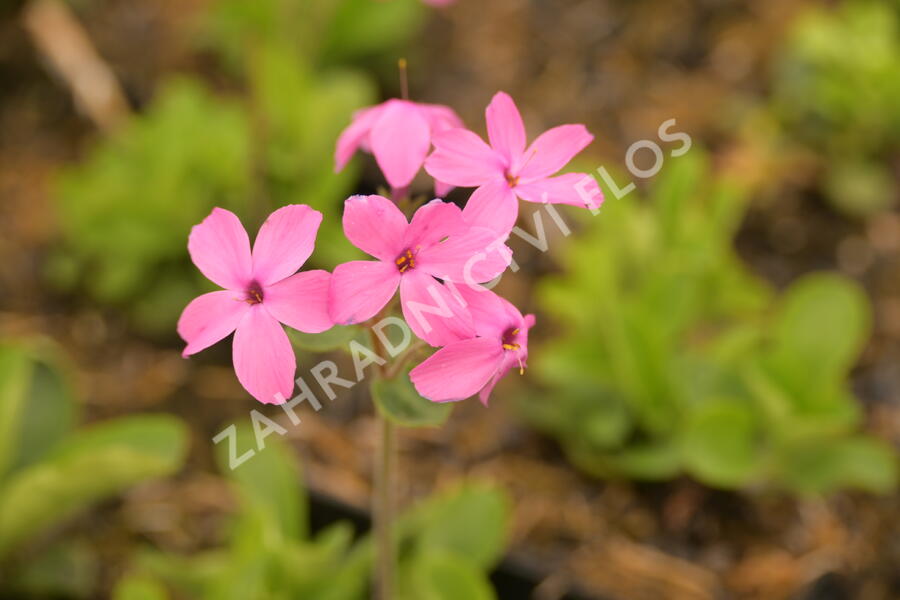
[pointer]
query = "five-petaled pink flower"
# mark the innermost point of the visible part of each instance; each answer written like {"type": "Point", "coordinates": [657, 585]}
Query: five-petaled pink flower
{"type": "Point", "coordinates": [506, 169]}
{"type": "Point", "coordinates": [437, 243]}
{"type": "Point", "coordinates": [474, 366]}
{"type": "Point", "coordinates": [261, 291]}
{"type": "Point", "coordinates": [399, 134]}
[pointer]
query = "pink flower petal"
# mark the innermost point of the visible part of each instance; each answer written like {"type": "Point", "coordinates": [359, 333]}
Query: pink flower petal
{"type": "Point", "coordinates": [301, 301]}
{"type": "Point", "coordinates": [431, 310]}
{"type": "Point", "coordinates": [210, 318]}
{"type": "Point", "coordinates": [517, 359]}
{"type": "Point", "coordinates": [489, 311]}
{"type": "Point", "coordinates": [431, 223]}
{"type": "Point", "coordinates": [493, 206]}
{"type": "Point", "coordinates": [563, 189]}
{"type": "Point", "coordinates": [400, 140]}
{"type": "Point", "coordinates": [551, 151]}
{"type": "Point", "coordinates": [263, 358]}
{"type": "Point", "coordinates": [359, 289]}
{"type": "Point", "coordinates": [220, 248]}
{"type": "Point", "coordinates": [507, 363]}
{"type": "Point", "coordinates": [375, 225]}
{"type": "Point", "coordinates": [440, 117]}
{"type": "Point", "coordinates": [462, 158]}
{"type": "Point", "coordinates": [505, 128]}
{"type": "Point", "coordinates": [284, 242]}
{"type": "Point", "coordinates": [458, 370]}
{"type": "Point", "coordinates": [442, 189]}
{"type": "Point", "coordinates": [351, 138]}
{"type": "Point", "coordinates": [476, 256]}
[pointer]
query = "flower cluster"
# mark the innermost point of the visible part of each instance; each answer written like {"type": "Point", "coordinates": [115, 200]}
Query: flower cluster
{"type": "Point", "coordinates": [436, 260]}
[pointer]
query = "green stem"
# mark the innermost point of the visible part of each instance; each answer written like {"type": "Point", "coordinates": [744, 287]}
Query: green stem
{"type": "Point", "coordinates": [400, 361]}
{"type": "Point", "coordinates": [383, 497]}
{"type": "Point", "coordinates": [384, 510]}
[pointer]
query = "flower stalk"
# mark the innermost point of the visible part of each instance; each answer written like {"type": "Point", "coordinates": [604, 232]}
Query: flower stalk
{"type": "Point", "coordinates": [384, 509]}
{"type": "Point", "coordinates": [383, 496]}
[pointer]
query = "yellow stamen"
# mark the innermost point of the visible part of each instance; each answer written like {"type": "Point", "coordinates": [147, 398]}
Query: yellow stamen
{"type": "Point", "coordinates": [405, 261]}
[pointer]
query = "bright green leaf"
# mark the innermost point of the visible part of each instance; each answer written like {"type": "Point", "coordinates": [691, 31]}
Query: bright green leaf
{"type": "Point", "coordinates": [824, 465]}
{"type": "Point", "coordinates": [445, 576]}
{"type": "Point", "coordinates": [270, 483]}
{"type": "Point", "coordinates": [90, 465]}
{"type": "Point", "coordinates": [720, 443]}
{"type": "Point", "coordinates": [651, 461]}
{"type": "Point", "coordinates": [823, 323]}
{"type": "Point", "coordinates": [470, 521]}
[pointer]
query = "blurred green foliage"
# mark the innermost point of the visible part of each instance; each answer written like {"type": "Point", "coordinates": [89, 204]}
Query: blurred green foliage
{"type": "Point", "coordinates": [671, 357]}
{"type": "Point", "coordinates": [446, 544]}
{"type": "Point", "coordinates": [49, 470]}
{"type": "Point", "coordinates": [397, 400]}
{"type": "Point", "coordinates": [126, 210]}
{"type": "Point", "coordinates": [836, 93]}
{"type": "Point", "coordinates": [325, 32]}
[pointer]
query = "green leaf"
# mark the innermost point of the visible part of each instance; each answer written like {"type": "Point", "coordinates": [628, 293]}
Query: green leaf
{"type": "Point", "coordinates": [250, 573]}
{"type": "Point", "coordinates": [51, 411]}
{"type": "Point", "coordinates": [335, 338]}
{"type": "Point", "coordinates": [651, 461]}
{"type": "Point", "coordinates": [721, 443]}
{"type": "Point", "coordinates": [399, 401]}
{"type": "Point", "coordinates": [100, 461]}
{"type": "Point", "coordinates": [139, 587]}
{"type": "Point", "coordinates": [15, 373]}
{"type": "Point", "coordinates": [817, 300]}
{"type": "Point", "coordinates": [311, 568]}
{"type": "Point", "coordinates": [673, 188]}
{"type": "Point", "coordinates": [270, 484]}
{"type": "Point", "coordinates": [126, 210]}
{"type": "Point", "coordinates": [444, 576]}
{"type": "Point", "coordinates": [593, 412]}
{"type": "Point", "coordinates": [191, 575]}
{"type": "Point", "coordinates": [470, 521]}
{"type": "Point", "coordinates": [825, 465]}
{"type": "Point", "coordinates": [823, 323]}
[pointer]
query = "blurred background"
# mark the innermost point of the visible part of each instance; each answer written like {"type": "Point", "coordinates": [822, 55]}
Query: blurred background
{"type": "Point", "coordinates": [712, 408]}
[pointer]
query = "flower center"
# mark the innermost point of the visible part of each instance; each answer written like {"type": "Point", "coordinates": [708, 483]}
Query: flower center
{"type": "Point", "coordinates": [512, 180]}
{"type": "Point", "coordinates": [405, 261]}
{"type": "Point", "coordinates": [509, 339]}
{"type": "Point", "coordinates": [254, 293]}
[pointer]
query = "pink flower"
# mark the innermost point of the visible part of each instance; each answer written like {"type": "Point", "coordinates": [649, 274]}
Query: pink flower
{"type": "Point", "coordinates": [398, 133]}
{"type": "Point", "coordinates": [261, 291]}
{"type": "Point", "coordinates": [437, 243]}
{"type": "Point", "coordinates": [474, 366]}
{"type": "Point", "coordinates": [505, 169]}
